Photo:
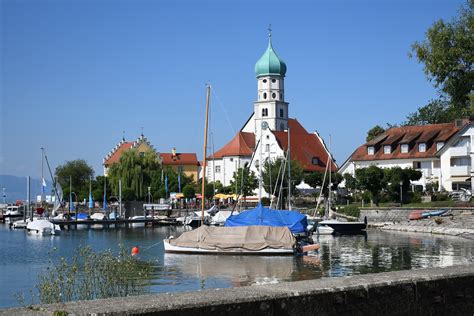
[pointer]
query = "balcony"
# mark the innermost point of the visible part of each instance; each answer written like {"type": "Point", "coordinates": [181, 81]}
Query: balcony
{"type": "Point", "coordinates": [460, 151]}
{"type": "Point", "coordinates": [460, 170]}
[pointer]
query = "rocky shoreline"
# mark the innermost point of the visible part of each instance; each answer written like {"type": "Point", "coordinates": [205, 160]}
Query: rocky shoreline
{"type": "Point", "coordinates": [456, 222]}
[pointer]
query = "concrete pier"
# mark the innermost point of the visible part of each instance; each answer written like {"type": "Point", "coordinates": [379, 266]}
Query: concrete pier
{"type": "Point", "coordinates": [438, 291]}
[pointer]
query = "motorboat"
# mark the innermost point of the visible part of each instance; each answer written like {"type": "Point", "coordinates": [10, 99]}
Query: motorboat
{"type": "Point", "coordinates": [323, 230]}
{"type": "Point", "coordinates": [220, 217]}
{"type": "Point", "coordinates": [98, 216]}
{"type": "Point", "coordinates": [42, 227]}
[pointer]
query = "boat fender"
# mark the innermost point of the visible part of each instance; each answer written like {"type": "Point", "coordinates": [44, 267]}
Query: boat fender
{"type": "Point", "coordinates": [313, 247]}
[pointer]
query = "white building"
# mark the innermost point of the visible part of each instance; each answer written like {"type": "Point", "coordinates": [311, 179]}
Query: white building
{"type": "Point", "coordinates": [271, 111]}
{"type": "Point", "coordinates": [440, 151]}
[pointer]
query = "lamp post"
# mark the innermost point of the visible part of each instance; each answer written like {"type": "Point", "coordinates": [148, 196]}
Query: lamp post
{"type": "Point", "coordinates": [401, 193]}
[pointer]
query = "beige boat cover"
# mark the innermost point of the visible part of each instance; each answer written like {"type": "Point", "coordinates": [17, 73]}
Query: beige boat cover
{"type": "Point", "coordinates": [241, 237]}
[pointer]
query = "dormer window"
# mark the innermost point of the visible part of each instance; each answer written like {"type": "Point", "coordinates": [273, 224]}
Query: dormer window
{"type": "Point", "coordinates": [387, 149]}
{"type": "Point", "coordinates": [315, 161]}
{"type": "Point", "coordinates": [404, 148]}
{"type": "Point", "coordinates": [370, 150]}
{"type": "Point", "coordinates": [439, 145]}
{"type": "Point", "coordinates": [422, 147]}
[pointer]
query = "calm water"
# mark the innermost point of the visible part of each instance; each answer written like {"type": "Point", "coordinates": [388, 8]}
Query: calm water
{"type": "Point", "coordinates": [24, 256]}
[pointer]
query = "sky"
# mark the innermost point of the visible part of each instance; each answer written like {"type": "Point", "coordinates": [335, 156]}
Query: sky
{"type": "Point", "coordinates": [77, 75]}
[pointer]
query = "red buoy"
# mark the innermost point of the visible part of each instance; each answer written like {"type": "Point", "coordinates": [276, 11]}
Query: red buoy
{"type": "Point", "coordinates": [135, 251]}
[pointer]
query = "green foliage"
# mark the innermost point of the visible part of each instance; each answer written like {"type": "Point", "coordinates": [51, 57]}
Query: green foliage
{"type": "Point", "coordinates": [90, 275]}
{"type": "Point", "coordinates": [447, 56]}
{"type": "Point", "coordinates": [394, 176]}
{"type": "Point", "coordinates": [436, 111]}
{"type": "Point", "coordinates": [270, 172]}
{"type": "Point", "coordinates": [372, 180]}
{"type": "Point", "coordinates": [440, 197]}
{"type": "Point", "coordinates": [374, 132]}
{"type": "Point", "coordinates": [350, 210]}
{"type": "Point", "coordinates": [136, 170]}
{"type": "Point", "coordinates": [188, 191]}
{"type": "Point", "coordinates": [265, 201]}
{"type": "Point", "coordinates": [351, 182]}
{"type": "Point", "coordinates": [243, 182]}
{"type": "Point", "coordinates": [79, 172]}
{"type": "Point", "coordinates": [413, 197]}
{"type": "Point", "coordinates": [98, 188]}
{"type": "Point", "coordinates": [315, 179]}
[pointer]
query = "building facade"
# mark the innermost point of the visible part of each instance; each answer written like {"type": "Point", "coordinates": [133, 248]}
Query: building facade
{"type": "Point", "coordinates": [431, 149]}
{"type": "Point", "coordinates": [269, 132]}
{"type": "Point", "coordinates": [183, 163]}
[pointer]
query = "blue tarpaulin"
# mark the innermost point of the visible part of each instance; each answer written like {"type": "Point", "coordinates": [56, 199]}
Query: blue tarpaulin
{"type": "Point", "coordinates": [262, 216]}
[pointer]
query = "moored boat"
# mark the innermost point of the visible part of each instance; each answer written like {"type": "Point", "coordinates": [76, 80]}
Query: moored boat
{"type": "Point", "coordinates": [42, 227]}
{"type": "Point", "coordinates": [345, 227]}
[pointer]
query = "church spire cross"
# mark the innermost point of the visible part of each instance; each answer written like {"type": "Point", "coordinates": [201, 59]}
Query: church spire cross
{"type": "Point", "coordinates": [269, 31]}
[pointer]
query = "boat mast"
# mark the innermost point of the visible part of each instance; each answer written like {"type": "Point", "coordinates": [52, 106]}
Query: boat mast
{"type": "Point", "coordinates": [54, 181]}
{"type": "Point", "coordinates": [289, 170]}
{"type": "Point", "coordinates": [203, 184]}
{"type": "Point", "coordinates": [330, 172]}
{"type": "Point", "coordinates": [42, 175]}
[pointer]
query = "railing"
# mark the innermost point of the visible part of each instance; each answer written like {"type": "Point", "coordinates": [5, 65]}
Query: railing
{"type": "Point", "coordinates": [460, 170]}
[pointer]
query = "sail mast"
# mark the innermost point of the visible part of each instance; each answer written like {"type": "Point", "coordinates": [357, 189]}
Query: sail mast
{"type": "Point", "coordinates": [289, 170]}
{"type": "Point", "coordinates": [42, 175]}
{"type": "Point", "coordinates": [203, 184]}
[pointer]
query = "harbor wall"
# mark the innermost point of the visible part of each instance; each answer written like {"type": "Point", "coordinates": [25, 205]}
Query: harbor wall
{"type": "Point", "coordinates": [436, 291]}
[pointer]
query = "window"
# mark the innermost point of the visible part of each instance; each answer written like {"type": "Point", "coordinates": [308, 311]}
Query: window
{"type": "Point", "coordinates": [264, 95]}
{"type": "Point", "coordinates": [268, 136]}
{"type": "Point", "coordinates": [264, 112]}
{"type": "Point", "coordinates": [264, 80]}
{"type": "Point", "coordinates": [180, 169]}
{"type": "Point", "coordinates": [281, 113]}
{"type": "Point", "coordinates": [282, 126]}
{"type": "Point", "coordinates": [218, 169]}
{"type": "Point", "coordinates": [315, 161]}
{"type": "Point", "coordinates": [387, 149]}
{"type": "Point", "coordinates": [439, 145]}
{"type": "Point", "coordinates": [404, 148]}
{"type": "Point", "coordinates": [460, 161]}
{"type": "Point", "coordinates": [422, 147]}
{"type": "Point", "coordinates": [142, 154]}
{"type": "Point", "coordinates": [273, 80]}
{"type": "Point", "coordinates": [416, 165]}
{"type": "Point", "coordinates": [370, 150]}
{"type": "Point", "coordinates": [274, 95]}
{"type": "Point", "coordinates": [267, 148]}
{"type": "Point", "coordinates": [231, 159]}
{"type": "Point", "coordinates": [436, 164]}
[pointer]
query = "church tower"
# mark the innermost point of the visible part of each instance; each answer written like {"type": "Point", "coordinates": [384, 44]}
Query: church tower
{"type": "Point", "coordinates": [270, 106]}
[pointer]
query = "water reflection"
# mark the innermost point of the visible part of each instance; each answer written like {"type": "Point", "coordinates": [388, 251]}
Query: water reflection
{"type": "Point", "coordinates": [24, 256]}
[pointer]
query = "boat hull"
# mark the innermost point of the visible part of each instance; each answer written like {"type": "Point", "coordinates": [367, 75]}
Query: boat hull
{"type": "Point", "coordinates": [345, 227]}
{"type": "Point", "coordinates": [237, 251]}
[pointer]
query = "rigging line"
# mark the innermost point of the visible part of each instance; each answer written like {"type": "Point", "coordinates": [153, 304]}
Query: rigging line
{"type": "Point", "coordinates": [322, 187]}
{"type": "Point", "coordinates": [221, 105]}
{"type": "Point", "coordinates": [276, 185]}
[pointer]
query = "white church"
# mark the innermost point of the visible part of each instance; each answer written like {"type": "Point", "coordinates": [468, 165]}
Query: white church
{"type": "Point", "coordinates": [271, 111]}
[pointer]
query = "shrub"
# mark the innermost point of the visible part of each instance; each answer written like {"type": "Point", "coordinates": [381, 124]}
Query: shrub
{"type": "Point", "coordinates": [89, 275]}
{"type": "Point", "coordinates": [265, 201]}
{"type": "Point", "coordinates": [440, 197]}
{"type": "Point", "coordinates": [414, 197]}
{"type": "Point", "coordinates": [350, 210]}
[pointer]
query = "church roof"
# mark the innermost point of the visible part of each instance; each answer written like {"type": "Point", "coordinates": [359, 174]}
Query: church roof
{"type": "Point", "coordinates": [270, 63]}
{"type": "Point", "coordinates": [304, 147]}
{"type": "Point", "coordinates": [179, 159]}
{"type": "Point", "coordinates": [242, 144]}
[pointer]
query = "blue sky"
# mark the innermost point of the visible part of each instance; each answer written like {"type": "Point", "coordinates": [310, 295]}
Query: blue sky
{"type": "Point", "coordinates": [75, 74]}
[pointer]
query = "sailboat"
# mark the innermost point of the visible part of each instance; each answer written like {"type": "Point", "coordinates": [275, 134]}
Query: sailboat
{"type": "Point", "coordinates": [336, 225]}
{"type": "Point", "coordinates": [263, 238]}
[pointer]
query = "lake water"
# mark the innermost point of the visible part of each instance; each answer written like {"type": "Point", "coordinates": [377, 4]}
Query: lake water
{"type": "Point", "coordinates": [23, 256]}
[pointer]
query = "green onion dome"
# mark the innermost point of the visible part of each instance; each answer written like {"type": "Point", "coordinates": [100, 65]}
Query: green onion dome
{"type": "Point", "coordinates": [270, 63]}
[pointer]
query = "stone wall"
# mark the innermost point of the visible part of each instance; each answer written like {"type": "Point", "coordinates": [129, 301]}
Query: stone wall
{"type": "Point", "coordinates": [438, 291]}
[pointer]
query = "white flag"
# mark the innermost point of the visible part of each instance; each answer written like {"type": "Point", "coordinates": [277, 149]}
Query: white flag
{"type": "Point", "coordinates": [44, 183]}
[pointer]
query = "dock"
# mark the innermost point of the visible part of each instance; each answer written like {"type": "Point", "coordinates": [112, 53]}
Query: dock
{"type": "Point", "coordinates": [116, 222]}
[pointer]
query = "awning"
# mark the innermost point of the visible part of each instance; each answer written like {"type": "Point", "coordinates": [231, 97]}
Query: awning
{"type": "Point", "coordinates": [460, 179]}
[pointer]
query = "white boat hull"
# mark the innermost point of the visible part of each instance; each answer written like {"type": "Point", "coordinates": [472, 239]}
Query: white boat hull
{"type": "Point", "coordinates": [42, 227]}
{"type": "Point", "coordinates": [238, 251]}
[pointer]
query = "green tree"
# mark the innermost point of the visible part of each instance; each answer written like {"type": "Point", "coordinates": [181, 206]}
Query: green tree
{"type": "Point", "coordinates": [273, 177]}
{"type": "Point", "coordinates": [98, 188]}
{"type": "Point", "coordinates": [136, 170]}
{"type": "Point", "coordinates": [243, 182]}
{"type": "Point", "coordinates": [80, 172]}
{"type": "Point", "coordinates": [394, 176]}
{"type": "Point", "coordinates": [436, 111]}
{"type": "Point", "coordinates": [315, 179]}
{"type": "Point", "coordinates": [371, 179]}
{"type": "Point", "coordinates": [351, 183]}
{"type": "Point", "coordinates": [447, 56]}
{"type": "Point", "coordinates": [188, 191]}
{"type": "Point", "coordinates": [374, 132]}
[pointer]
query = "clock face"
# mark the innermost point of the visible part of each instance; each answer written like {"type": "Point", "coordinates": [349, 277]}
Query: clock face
{"type": "Point", "coordinates": [264, 125]}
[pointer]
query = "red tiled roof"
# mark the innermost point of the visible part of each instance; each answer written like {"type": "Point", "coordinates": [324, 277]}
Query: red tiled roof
{"type": "Point", "coordinates": [116, 155]}
{"type": "Point", "coordinates": [304, 146]}
{"type": "Point", "coordinates": [411, 135]}
{"type": "Point", "coordinates": [179, 159]}
{"type": "Point", "coordinates": [242, 144]}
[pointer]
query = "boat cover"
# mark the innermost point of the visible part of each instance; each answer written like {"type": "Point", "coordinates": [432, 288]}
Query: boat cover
{"type": "Point", "coordinates": [252, 238]}
{"type": "Point", "coordinates": [263, 216]}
